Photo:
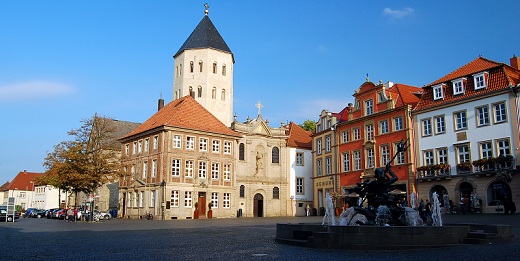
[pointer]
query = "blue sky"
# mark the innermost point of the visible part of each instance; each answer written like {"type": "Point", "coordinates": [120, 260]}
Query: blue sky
{"type": "Point", "coordinates": [63, 61]}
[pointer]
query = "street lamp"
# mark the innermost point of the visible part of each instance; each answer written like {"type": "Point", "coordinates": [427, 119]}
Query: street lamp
{"type": "Point", "coordinates": [163, 185]}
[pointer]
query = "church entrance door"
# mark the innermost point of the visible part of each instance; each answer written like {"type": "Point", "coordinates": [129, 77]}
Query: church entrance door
{"type": "Point", "coordinates": [258, 205]}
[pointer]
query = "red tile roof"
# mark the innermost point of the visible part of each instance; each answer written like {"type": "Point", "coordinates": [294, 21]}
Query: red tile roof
{"type": "Point", "coordinates": [184, 113]}
{"type": "Point", "coordinates": [22, 181]}
{"type": "Point", "coordinates": [405, 94]}
{"type": "Point", "coordinates": [5, 186]}
{"type": "Point", "coordinates": [501, 76]}
{"type": "Point", "coordinates": [298, 137]}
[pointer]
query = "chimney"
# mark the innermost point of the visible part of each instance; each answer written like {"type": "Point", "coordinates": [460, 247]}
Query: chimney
{"type": "Point", "coordinates": [515, 62]}
{"type": "Point", "coordinates": [160, 104]}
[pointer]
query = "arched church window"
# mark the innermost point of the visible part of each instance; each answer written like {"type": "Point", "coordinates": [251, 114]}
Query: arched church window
{"type": "Point", "coordinates": [276, 155]}
{"type": "Point", "coordinates": [191, 66]}
{"type": "Point", "coordinates": [214, 93]}
{"type": "Point", "coordinates": [242, 191]}
{"type": "Point", "coordinates": [276, 193]}
{"type": "Point", "coordinates": [200, 65]}
{"type": "Point", "coordinates": [223, 95]}
{"type": "Point", "coordinates": [224, 69]}
{"type": "Point", "coordinates": [241, 149]}
{"type": "Point", "coordinates": [215, 67]}
{"type": "Point", "coordinates": [199, 92]}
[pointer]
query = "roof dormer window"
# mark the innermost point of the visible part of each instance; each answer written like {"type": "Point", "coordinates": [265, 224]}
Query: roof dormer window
{"type": "Point", "coordinates": [480, 80]}
{"type": "Point", "coordinates": [459, 86]}
{"type": "Point", "coordinates": [438, 92]}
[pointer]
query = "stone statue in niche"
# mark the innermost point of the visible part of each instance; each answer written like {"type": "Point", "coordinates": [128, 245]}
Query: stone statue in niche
{"type": "Point", "coordinates": [259, 164]}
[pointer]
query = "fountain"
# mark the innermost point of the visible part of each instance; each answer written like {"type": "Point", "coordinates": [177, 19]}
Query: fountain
{"type": "Point", "coordinates": [382, 224]}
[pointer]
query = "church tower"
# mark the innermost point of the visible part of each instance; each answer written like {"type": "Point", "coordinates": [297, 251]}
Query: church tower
{"type": "Point", "coordinates": [203, 68]}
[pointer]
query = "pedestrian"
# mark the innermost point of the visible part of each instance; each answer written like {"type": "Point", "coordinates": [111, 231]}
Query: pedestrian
{"type": "Point", "coordinates": [446, 201]}
{"type": "Point", "coordinates": [462, 205]}
{"type": "Point", "coordinates": [75, 214]}
{"type": "Point", "coordinates": [428, 212]}
{"type": "Point", "coordinates": [308, 208]}
{"type": "Point", "coordinates": [422, 210]}
{"type": "Point", "coordinates": [70, 214]}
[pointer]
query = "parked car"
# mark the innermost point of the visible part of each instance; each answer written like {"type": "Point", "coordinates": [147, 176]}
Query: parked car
{"type": "Point", "coordinates": [29, 212]}
{"type": "Point", "coordinates": [60, 213]}
{"type": "Point", "coordinates": [4, 216]}
{"type": "Point", "coordinates": [38, 214]}
{"type": "Point", "coordinates": [49, 213]}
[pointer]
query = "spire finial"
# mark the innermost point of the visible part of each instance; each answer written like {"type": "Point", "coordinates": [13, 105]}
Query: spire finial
{"type": "Point", "coordinates": [206, 11]}
{"type": "Point", "coordinates": [259, 106]}
{"type": "Point", "coordinates": [367, 79]}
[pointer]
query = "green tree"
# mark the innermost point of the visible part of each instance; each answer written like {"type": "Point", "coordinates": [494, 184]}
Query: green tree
{"type": "Point", "coordinates": [308, 125]}
{"type": "Point", "coordinates": [86, 162]}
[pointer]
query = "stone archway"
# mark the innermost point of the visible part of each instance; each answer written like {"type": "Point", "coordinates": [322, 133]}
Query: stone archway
{"type": "Point", "coordinates": [258, 205]}
{"type": "Point", "coordinates": [441, 190]}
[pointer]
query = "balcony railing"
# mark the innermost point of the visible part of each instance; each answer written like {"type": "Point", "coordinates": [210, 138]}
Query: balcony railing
{"type": "Point", "coordinates": [482, 166]}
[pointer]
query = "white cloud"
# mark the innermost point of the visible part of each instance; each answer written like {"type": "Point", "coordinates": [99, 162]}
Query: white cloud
{"type": "Point", "coordinates": [397, 14]}
{"type": "Point", "coordinates": [32, 90]}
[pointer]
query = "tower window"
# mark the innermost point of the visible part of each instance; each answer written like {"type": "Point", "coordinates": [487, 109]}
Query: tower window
{"type": "Point", "coordinates": [191, 66]}
{"type": "Point", "coordinates": [223, 95]}
{"type": "Point", "coordinates": [214, 93]}
{"type": "Point", "coordinates": [215, 67]}
{"type": "Point", "coordinates": [192, 93]}
{"type": "Point", "coordinates": [224, 69]}
{"type": "Point", "coordinates": [199, 92]}
{"type": "Point", "coordinates": [200, 65]}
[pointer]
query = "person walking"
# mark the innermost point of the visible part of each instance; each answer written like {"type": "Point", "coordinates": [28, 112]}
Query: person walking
{"type": "Point", "coordinates": [308, 208]}
{"type": "Point", "coordinates": [462, 205]}
{"type": "Point", "coordinates": [70, 214]}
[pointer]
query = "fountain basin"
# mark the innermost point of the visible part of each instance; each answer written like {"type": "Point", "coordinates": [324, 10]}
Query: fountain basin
{"type": "Point", "coordinates": [380, 237]}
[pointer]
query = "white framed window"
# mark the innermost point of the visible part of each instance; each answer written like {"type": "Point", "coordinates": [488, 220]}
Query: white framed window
{"type": "Point", "coordinates": [299, 186]}
{"type": "Point", "coordinates": [486, 150]}
{"type": "Point", "coordinates": [177, 141]}
{"type": "Point", "coordinates": [399, 159]}
{"type": "Point", "coordinates": [141, 199]}
{"type": "Point", "coordinates": [346, 161]}
{"type": "Point", "coordinates": [146, 145]}
{"type": "Point", "coordinates": [438, 92]}
{"type": "Point", "coordinates": [176, 167]}
{"type": "Point", "coordinates": [318, 168]}
{"type": "Point", "coordinates": [500, 112]}
{"type": "Point", "coordinates": [370, 158]}
{"type": "Point", "coordinates": [318, 146]}
{"type": "Point", "coordinates": [227, 171]}
{"type": "Point", "coordinates": [131, 199]}
{"type": "Point", "coordinates": [154, 168]}
{"type": "Point", "coordinates": [153, 196]}
{"type": "Point", "coordinates": [299, 158]}
{"type": "Point", "coordinates": [139, 146]}
{"type": "Point", "coordinates": [442, 155]}
{"type": "Point", "coordinates": [426, 127]}
{"type": "Point", "coordinates": [145, 169]}
{"type": "Point", "coordinates": [503, 147]}
{"type": "Point", "coordinates": [155, 142]}
{"type": "Point", "coordinates": [175, 199]}
{"type": "Point", "coordinates": [127, 149]}
{"type": "Point", "coordinates": [226, 200]}
{"type": "Point", "coordinates": [188, 168]}
{"type": "Point", "coordinates": [190, 143]}
{"type": "Point", "coordinates": [328, 166]}
{"type": "Point", "coordinates": [188, 199]}
{"type": "Point", "coordinates": [344, 136]}
{"type": "Point", "coordinates": [383, 126]}
{"type": "Point", "coordinates": [357, 159]}
{"type": "Point", "coordinates": [228, 146]}
{"type": "Point", "coordinates": [463, 153]}
{"type": "Point", "coordinates": [428, 157]}
{"type": "Point", "coordinates": [214, 92]}
{"type": "Point", "coordinates": [370, 131]}
{"type": "Point", "coordinates": [133, 170]}
{"type": "Point", "coordinates": [202, 169]}
{"type": "Point", "coordinates": [398, 123]}
{"type": "Point", "coordinates": [214, 200]}
{"type": "Point", "coordinates": [385, 154]}
{"type": "Point", "coordinates": [458, 86]}
{"type": "Point", "coordinates": [356, 133]}
{"type": "Point", "coordinates": [327, 144]}
{"type": "Point", "coordinates": [137, 199]}
{"type": "Point", "coordinates": [369, 107]}
{"type": "Point", "coordinates": [482, 116]}
{"type": "Point", "coordinates": [440, 125]}
{"type": "Point", "coordinates": [203, 144]}
{"type": "Point", "coordinates": [460, 120]}
{"type": "Point", "coordinates": [480, 80]}
{"type": "Point", "coordinates": [215, 170]}
{"type": "Point", "coordinates": [135, 147]}
{"type": "Point", "coordinates": [215, 146]}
